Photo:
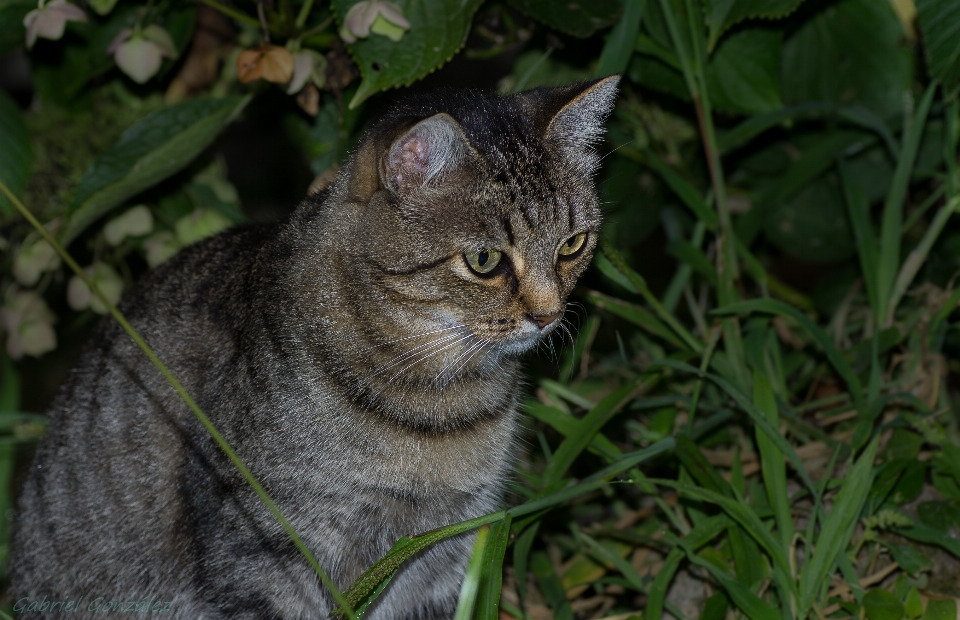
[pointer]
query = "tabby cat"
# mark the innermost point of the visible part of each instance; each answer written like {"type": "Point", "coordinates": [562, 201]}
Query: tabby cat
{"type": "Point", "coordinates": [361, 357]}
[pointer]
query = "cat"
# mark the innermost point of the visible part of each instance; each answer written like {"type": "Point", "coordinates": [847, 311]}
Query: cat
{"type": "Point", "coordinates": [362, 358]}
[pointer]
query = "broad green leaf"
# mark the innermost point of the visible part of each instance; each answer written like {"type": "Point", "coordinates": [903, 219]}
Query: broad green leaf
{"type": "Point", "coordinates": [941, 610]}
{"type": "Point", "coordinates": [581, 18]}
{"type": "Point", "coordinates": [940, 25]}
{"type": "Point", "coordinates": [16, 153]}
{"type": "Point", "coordinates": [910, 559]}
{"type": "Point", "coordinates": [438, 29]}
{"type": "Point", "coordinates": [743, 75]}
{"type": "Point", "coordinates": [836, 528]}
{"type": "Point", "coordinates": [812, 225]}
{"type": "Point", "coordinates": [851, 52]}
{"type": "Point", "coordinates": [147, 153]}
{"type": "Point", "coordinates": [721, 14]}
{"type": "Point", "coordinates": [882, 605]}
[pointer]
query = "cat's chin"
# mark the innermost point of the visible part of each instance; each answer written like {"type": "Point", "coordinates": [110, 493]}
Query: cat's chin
{"type": "Point", "coordinates": [522, 342]}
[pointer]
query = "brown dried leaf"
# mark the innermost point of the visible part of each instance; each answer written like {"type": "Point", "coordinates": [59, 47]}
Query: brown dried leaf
{"type": "Point", "coordinates": [270, 62]}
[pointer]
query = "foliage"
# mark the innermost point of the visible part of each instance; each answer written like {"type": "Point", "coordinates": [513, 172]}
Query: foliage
{"type": "Point", "coordinates": [758, 413]}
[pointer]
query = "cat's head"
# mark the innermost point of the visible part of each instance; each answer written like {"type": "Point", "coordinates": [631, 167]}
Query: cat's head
{"type": "Point", "coordinates": [475, 214]}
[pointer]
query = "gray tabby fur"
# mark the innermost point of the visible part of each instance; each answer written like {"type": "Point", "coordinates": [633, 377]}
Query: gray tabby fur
{"type": "Point", "coordinates": [363, 372]}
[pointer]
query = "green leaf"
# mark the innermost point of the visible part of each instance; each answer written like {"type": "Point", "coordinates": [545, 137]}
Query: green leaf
{"type": "Point", "coordinates": [837, 527]}
{"type": "Point", "coordinates": [491, 579]}
{"type": "Point", "coordinates": [851, 52]}
{"type": "Point", "coordinates": [721, 14]}
{"type": "Point", "coordinates": [471, 579]}
{"type": "Point", "coordinates": [910, 559]}
{"type": "Point", "coordinates": [13, 35]}
{"type": "Point", "coordinates": [581, 18]}
{"type": "Point", "coordinates": [551, 587]}
{"type": "Point", "coordinates": [638, 315]}
{"type": "Point", "coordinates": [147, 153]}
{"type": "Point", "coordinates": [743, 75]}
{"type": "Point", "coordinates": [438, 29]}
{"type": "Point", "coordinates": [940, 25]}
{"type": "Point", "coordinates": [858, 210]}
{"type": "Point", "coordinates": [882, 605]}
{"type": "Point", "coordinates": [772, 460]}
{"type": "Point", "coordinates": [812, 225]}
{"type": "Point", "coordinates": [941, 610]}
{"type": "Point", "coordinates": [16, 153]}
{"type": "Point", "coordinates": [619, 46]}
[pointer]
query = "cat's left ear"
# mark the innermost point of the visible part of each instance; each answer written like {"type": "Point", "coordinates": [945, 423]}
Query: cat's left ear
{"type": "Point", "coordinates": [430, 150]}
{"type": "Point", "coordinates": [579, 123]}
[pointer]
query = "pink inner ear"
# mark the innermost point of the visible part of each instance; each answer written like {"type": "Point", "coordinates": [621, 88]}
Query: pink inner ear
{"type": "Point", "coordinates": [413, 159]}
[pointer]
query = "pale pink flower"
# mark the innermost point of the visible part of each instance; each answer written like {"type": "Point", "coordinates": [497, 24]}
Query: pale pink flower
{"type": "Point", "coordinates": [377, 16]}
{"type": "Point", "coordinates": [139, 53]}
{"type": "Point", "coordinates": [106, 278]}
{"type": "Point", "coordinates": [28, 322]}
{"type": "Point", "coordinates": [48, 20]}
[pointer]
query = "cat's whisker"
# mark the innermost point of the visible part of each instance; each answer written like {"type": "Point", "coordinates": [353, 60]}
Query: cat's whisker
{"type": "Point", "coordinates": [483, 343]}
{"type": "Point", "coordinates": [446, 345]}
{"type": "Point", "coordinates": [450, 365]}
{"type": "Point", "coordinates": [421, 335]}
{"type": "Point", "coordinates": [402, 357]}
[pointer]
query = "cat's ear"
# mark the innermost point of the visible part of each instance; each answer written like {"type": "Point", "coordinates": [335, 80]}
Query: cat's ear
{"type": "Point", "coordinates": [423, 155]}
{"type": "Point", "coordinates": [575, 117]}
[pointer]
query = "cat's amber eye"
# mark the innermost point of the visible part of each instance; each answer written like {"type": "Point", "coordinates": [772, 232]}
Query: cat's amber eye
{"type": "Point", "coordinates": [573, 245]}
{"type": "Point", "coordinates": [483, 261]}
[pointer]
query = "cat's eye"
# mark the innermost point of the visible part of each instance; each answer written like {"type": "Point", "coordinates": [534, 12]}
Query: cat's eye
{"type": "Point", "coordinates": [573, 245]}
{"type": "Point", "coordinates": [483, 261]}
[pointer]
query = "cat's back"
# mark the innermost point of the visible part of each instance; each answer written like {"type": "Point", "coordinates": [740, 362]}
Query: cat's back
{"type": "Point", "coordinates": [117, 430]}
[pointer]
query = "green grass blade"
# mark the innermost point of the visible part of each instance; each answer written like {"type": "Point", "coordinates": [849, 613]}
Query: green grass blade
{"type": "Point", "coordinates": [567, 425]}
{"type": "Point", "coordinates": [891, 227]}
{"type": "Point", "coordinates": [491, 578]}
{"type": "Point", "coordinates": [833, 354]}
{"type": "Point", "coordinates": [835, 529]}
{"type": "Point", "coordinates": [619, 46]}
{"type": "Point", "coordinates": [551, 587]}
{"type": "Point", "coordinates": [739, 512]}
{"type": "Point", "coordinates": [521, 554]}
{"type": "Point", "coordinates": [606, 556]}
{"type": "Point", "coordinates": [637, 315]}
{"type": "Point", "coordinates": [773, 461]}
{"type": "Point", "coordinates": [684, 190]}
{"type": "Point", "coordinates": [869, 252]}
{"type": "Point", "coordinates": [588, 427]}
{"type": "Point", "coordinates": [471, 579]}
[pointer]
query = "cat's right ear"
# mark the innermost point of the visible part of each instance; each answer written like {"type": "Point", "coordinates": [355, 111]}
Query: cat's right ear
{"type": "Point", "coordinates": [424, 155]}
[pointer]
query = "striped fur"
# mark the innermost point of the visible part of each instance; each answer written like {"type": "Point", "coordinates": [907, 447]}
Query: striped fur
{"type": "Point", "coordinates": [366, 375]}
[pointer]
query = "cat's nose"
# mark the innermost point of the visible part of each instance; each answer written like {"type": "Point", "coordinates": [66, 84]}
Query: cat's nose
{"type": "Point", "coordinates": [542, 320]}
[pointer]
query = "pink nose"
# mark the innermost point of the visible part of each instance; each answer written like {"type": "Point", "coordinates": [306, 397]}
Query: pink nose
{"type": "Point", "coordinates": [543, 320]}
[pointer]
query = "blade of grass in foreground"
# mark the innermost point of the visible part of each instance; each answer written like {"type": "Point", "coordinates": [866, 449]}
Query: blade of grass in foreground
{"type": "Point", "coordinates": [471, 580]}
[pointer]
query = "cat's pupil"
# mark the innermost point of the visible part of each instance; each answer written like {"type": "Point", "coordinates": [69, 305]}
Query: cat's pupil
{"type": "Point", "coordinates": [570, 242]}
{"type": "Point", "coordinates": [482, 258]}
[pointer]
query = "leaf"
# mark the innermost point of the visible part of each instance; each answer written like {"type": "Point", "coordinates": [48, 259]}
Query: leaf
{"type": "Point", "coordinates": [12, 32]}
{"type": "Point", "coordinates": [438, 29]}
{"type": "Point", "coordinates": [850, 52]}
{"type": "Point", "coordinates": [882, 605]}
{"type": "Point", "coordinates": [581, 18]}
{"type": "Point", "coordinates": [471, 579]}
{"type": "Point", "coordinates": [812, 225]}
{"type": "Point", "coordinates": [551, 587]}
{"type": "Point", "coordinates": [150, 151]}
{"type": "Point", "coordinates": [910, 559]}
{"type": "Point", "coordinates": [721, 14]}
{"type": "Point", "coordinates": [638, 315]}
{"type": "Point", "coordinates": [16, 153]}
{"type": "Point", "coordinates": [940, 25]}
{"type": "Point", "coordinates": [941, 610]}
{"type": "Point", "coordinates": [743, 75]}
{"type": "Point", "coordinates": [836, 528]}
{"type": "Point", "coordinates": [491, 579]}
{"type": "Point", "coordinates": [619, 46]}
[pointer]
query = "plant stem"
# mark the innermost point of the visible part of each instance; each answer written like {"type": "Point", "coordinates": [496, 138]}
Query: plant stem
{"type": "Point", "coordinates": [178, 387]}
{"type": "Point", "coordinates": [232, 13]}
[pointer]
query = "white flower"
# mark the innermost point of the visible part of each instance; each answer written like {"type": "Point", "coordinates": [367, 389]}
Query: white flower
{"type": "Point", "coordinates": [29, 325]}
{"type": "Point", "coordinates": [32, 261]}
{"type": "Point", "coordinates": [133, 223]}
{"type": "Point", "coordinates": [139, 53]}
{"type": "Point", "coordinates": [48, 20]}
{"type": "Point", "coordinates": [307, 65]}
{"type": "Point", "coordinates": [105, 278]}
{"type": "Point", "coordinates": [377, 16]}
{"type": "Point", "coordinates": [160, 246]}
